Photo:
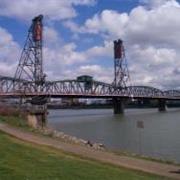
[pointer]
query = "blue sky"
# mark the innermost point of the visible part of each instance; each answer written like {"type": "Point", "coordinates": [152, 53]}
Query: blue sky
{"type": "Point", "coordinates": [19, 28]}
{"type": "Point", "coordinates": [79, 34]}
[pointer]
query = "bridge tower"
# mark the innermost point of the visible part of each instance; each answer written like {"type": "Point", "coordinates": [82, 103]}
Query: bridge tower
{"type": "Point", "coordinates": [121, 74]}
{"type": "Point", "coordinates": [30, 69]}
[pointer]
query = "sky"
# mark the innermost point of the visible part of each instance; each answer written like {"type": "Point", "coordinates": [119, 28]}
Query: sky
{"type": "Point", "coordinates": [79, 34]}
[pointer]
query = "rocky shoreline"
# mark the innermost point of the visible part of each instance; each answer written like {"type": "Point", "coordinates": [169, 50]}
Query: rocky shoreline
{"type": "Point", "coordinates": [70, 139]}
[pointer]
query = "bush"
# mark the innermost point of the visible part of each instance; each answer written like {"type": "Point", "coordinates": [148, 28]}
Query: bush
{"type": "Point", "coordinates": [11, 111]}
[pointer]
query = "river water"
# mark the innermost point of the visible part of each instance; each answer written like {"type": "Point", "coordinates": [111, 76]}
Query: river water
{"type": "Point", "coordinates": [141, 131]}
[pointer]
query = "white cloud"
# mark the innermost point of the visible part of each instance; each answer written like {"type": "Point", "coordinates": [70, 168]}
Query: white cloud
{"type": "Point", "coordinates": [108, 21]}
{"type": "Point", "coordinates": [62, 60]}
{"type": "Point", "coordinates": [159, 25]}
{"type": "Point", "coordinates": [9, 53]}
{"type": "Point", "coordinates": [153, 66]}
{"type": "Point", "coordinates": [72, 26]}
{"type": "Point", "coordinates": [67, 54]}
{"type": "Point", "coordinates": [151, 39]}
{"type": "Point", "coordinates": [54, 9]}
{"type": "Point", "coordinates": [157, 3]}
{"type": "Point", "coordinates": [51, 36]}
{"type": "Point", "coordinates": [98, 72]}
{"type": "Point", "coordinates": [106, 50]}
{"type": "Point", "coordinates": [62, 55]}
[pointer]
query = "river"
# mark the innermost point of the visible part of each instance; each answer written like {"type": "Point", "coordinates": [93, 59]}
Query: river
{"type": "Point", "coordinates": [140, 131]}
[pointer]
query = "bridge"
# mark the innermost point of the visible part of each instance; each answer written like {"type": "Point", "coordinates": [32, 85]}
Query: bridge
{"type": "Point", "coordinates": [29, 81]}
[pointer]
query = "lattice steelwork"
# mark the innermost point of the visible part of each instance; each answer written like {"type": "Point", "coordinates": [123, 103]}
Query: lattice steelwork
{"type": "Point", "coordinates": [30, 67]}
{"type": "Point", "coordinates": [74, 88]}
{"type": "Point", "coordinates": [121, 74]}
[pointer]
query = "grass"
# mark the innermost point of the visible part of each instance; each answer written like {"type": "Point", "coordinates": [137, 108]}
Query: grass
{"type": "Point", "coordinates": [24, 161]}
{"type": "Point", "coordinates": [14, 121]}
{"type": "Point", "coordinates": [129, 154]}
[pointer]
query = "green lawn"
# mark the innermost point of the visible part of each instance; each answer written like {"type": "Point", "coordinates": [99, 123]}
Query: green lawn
{"type": "Point", "coordinates": [20, 160]}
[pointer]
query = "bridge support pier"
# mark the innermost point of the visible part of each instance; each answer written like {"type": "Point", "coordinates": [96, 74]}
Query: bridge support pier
{"type": "Point", "coordinates": [118, 105]}
{"type": "Point", "coordinates": [162, 105]}
{"type": "Point", "coordinates": [37, 118]}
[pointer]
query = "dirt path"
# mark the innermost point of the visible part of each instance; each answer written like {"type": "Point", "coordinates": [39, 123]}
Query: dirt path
{"type": "Point", "coordinates": [123, 161]}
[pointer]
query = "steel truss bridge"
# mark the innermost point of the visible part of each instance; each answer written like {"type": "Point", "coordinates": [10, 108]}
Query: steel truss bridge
{"type": "Point", "coordinates": [29, 80]}
{"type": "Point", "coordinates": [11, 87]}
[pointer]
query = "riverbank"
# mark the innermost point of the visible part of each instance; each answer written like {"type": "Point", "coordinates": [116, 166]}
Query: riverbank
{"type": "Point", "coordinates": [61, 136]}
{"type": "Point", "coordinates": [21, 160]}
{"type": "Point", "coordinates": [89, 153]}
{"type": "Point", "coordinates": [18, 122]}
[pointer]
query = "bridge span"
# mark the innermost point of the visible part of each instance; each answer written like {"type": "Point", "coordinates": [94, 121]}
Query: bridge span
{"type": "Point", "coordinates": [13, 88]}
{"type": "Point", "coordinates": [82, 89]}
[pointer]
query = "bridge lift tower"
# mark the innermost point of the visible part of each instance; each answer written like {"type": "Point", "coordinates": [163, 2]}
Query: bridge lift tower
{"type": "Point", "coordinates": [121, 74]}
{"type": "Point", "coordinates": [30, 67]}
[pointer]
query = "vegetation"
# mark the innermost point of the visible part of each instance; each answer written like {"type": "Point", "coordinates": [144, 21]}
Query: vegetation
{"type": "Point", "coordinates": [20, 160]}
{"type": "Point", "coordinates": [10, 111]}
{"type": "Point", "coordinates": [13, 116]}
{"type": "Point", "coordinates": [14, 121]}
{"type": "Point", "coordinates": [129, 154]}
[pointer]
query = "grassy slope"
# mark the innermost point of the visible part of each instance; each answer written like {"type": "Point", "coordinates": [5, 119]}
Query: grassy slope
{"type": "Point", "coordinates": [14, 121]}
{"type": "Point", "coordinates": [20, 160]}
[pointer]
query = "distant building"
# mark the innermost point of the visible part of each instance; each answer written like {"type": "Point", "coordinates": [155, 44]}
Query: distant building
{"type": "Point", "coordinates": [69, 101]}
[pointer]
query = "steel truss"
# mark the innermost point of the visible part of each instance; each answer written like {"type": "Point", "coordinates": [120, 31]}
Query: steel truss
{"type": "Point", "coordinates": [30, 67]}
{"type": "Point", "coordinates": [74, 88]}
{"type": "Point", "coordinates": [121, 73]}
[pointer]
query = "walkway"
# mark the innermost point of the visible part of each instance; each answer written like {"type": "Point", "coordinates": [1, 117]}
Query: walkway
{"type": "Point", "coordinates": [106, 157]}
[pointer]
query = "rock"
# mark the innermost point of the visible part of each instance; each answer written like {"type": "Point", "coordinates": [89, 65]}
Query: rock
{"type": "Point", "coordinates": [83, 141]}
{"type": "Point", "coordinates": [72, 139]}
{"type": "Point", "coordinates": [47, 132]}
{"type": "Point", "coordinates": [98, 146]}
{"type": "Point", "coordinates": [89, 143]}
{"type": "Point", "coordinates": [57, 134]}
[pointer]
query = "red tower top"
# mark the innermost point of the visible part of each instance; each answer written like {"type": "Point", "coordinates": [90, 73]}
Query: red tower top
{"type": "Point", "coordinates": [37, 28]}
{"type": "Point", "coordinates": [118, 49]}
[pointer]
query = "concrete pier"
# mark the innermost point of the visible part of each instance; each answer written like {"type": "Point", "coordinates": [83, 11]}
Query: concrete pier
{"type": "Point", "coordinates": [162, 105]}
{"type": "Point", "coordinates": [37, 117]}
{"type": "Point", "coordinates": [118, 105]}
